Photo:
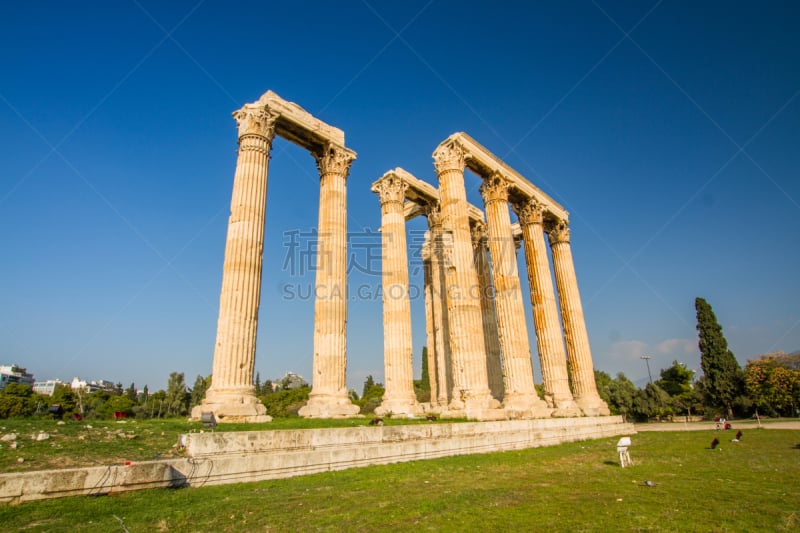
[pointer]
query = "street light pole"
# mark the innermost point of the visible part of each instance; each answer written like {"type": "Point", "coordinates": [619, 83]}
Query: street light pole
{"type": "Point", "coordinates": [647, 360]}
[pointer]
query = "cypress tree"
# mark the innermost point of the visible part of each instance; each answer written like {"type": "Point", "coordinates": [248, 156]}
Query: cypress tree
{"type": "Point", "coordinates": [724, 379]}
{"type": "Point", "coordinates": [425, 380]}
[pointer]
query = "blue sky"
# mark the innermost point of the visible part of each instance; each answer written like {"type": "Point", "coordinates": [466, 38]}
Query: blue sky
{"type": "Point", "coordinates": [668, 130]}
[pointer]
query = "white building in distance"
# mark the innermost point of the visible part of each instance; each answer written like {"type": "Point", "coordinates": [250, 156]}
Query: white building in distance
{"type": "Point", "coordinates": [14, 374]}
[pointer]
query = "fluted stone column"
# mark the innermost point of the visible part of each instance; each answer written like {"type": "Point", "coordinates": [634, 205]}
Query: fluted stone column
{"type": "Point", "coordinates": [577, 339]}
{"type": "Point", "coordinates": [430, 335]}
{"type": "Point", "coordinates": [441, 319]}
{"type": "Point", "coordinates": [494, 367]}
{"type": "Point", "coordinates": [471, 394]}
{"type": "Point", "coordinates": [328, 397]}
{"type": "Point", "coordinates": [399, 398]}
{"type": "Point", "coordinates": [520, 393]}
{"type": "Point", "coordinates": [555, 379]}
{"type": "Point", "coordinates": [231, 396]}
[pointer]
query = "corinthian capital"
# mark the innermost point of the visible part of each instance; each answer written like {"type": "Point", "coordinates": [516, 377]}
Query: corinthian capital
{"type": "Point", "coordinates": [434, 214]}
{"type": "Point", "coordinates": [494, 189]}
{"type": "Point", "coordinates": [448, 157]}
{"type": "Point", "coordinates": [335, 159]}
{"type": "Point", "coordinates": [259, 121]}
{"type": "Point", "coordinates": [479, 235]}
{"type": "Point", "coordinates": [529, 212]}
{"type": "Point", "coordinates": [558, 232]}
{"type": "Point", "coordinates": [391, 189]}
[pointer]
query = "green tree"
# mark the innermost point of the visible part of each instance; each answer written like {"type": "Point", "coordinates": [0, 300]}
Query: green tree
{"type": "Point", "coordinates": [425, 377]}
{"type": "Point", "coordinates": [257, 385]}
{"type": "Point", "coordinates": [17, 401]}
{"type": "Point", "coordinates": [676, 380]}
{"type": "Point", "coordinates": [724, 379]}
{"type": "Point", "coordinates": [373, 394]}
{"type": "Point", "coordinates": [177, 398]}
{"type": "Point", "coordinates": [130, 393]}
{"type": "Point", "coordinates": [64, 396]}
{"type": "Point", "coordinates": [651, 402]}
{"type": "Point", "coordinates": [286, 403]}
{"type": "Point", "coordinates": [773, 384]}
{"type": "Point", "coordinates": [368, 384]}
{"type": "Point", "coordinates": [201, 385]}
{"type": "Point", "coordinates": [618, 393]}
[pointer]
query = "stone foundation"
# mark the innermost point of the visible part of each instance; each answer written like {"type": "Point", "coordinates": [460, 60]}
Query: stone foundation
{"type": "Point", "coordinates": [236, 457]}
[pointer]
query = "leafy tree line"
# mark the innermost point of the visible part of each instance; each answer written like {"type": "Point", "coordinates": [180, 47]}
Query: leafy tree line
{"type": "Point", "coordinates": [768, 385]}
{"type": "Point", "coordinates": [19, 401]}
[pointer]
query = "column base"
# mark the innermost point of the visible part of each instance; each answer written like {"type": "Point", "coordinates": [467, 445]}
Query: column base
{"type": "Point", "coordinates": [593, 406]}
{"type": "Point", "coordinates": [566, 408]}
{"type": "Point", "coordinates": [526, 406]}
{"type": "Point", "coordinates": [481, 406]}
{"type": "Point", "coordinates": [328, 406]}
{"type": "Point", "coordinates": [399, 407]}
{"type": "Point", "coordinates": [232, 406]}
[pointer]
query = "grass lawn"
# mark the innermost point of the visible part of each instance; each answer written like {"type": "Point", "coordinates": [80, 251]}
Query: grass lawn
{"type": "Point", "coordinates": [106, 442]}
{"type": "Point", "coordinates": [753, 485]}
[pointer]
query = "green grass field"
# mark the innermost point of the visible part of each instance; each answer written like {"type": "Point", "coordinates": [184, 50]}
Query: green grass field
{"type": "Point", "coordinates": [753, 485]}
{"type": "Point", "coordinates": [105, 442]}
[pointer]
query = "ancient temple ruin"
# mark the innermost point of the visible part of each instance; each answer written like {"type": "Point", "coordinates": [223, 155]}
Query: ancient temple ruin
{"type": "Point", "coordinates": [478, 354]}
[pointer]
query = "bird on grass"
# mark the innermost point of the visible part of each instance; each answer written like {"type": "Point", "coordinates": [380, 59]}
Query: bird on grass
{"type": "Point", "coordinates": [649, 483]}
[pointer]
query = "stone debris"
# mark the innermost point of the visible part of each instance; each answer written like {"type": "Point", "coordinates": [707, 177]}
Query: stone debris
{"type": "Point", "coordinates": [8, 437]}
{"type": "Point", "coordinates": [41, 436]}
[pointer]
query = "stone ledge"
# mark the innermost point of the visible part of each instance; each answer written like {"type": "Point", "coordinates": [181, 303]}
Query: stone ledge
{"type": "Point", "coordinates": [236, 457]}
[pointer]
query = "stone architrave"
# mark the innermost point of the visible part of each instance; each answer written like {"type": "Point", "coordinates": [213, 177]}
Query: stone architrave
{"type": "Point", "coordinates": [577, 338]}
{"type": "Point", "coordinates": [430, 335]}
{"type": "Point", "coordinates": [470, 394]}
{"type": "Point", "coordinates": [494, 366]}
{"type": "Point", "coordinates": [520, 397]}
{"type": "Point", "coordinates": [399, 398]}
{"type": "Point", "coordinates": [328, 397]}
{"type": "Point", "coordinates": [555, 379]}
{"type": "Point", "coordinates": [441, 321]}
{"type": "Point", "coordinates": [231, 397]}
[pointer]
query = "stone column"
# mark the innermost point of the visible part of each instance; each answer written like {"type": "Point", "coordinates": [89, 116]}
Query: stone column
{"type": "Point", "coordinates": [520, 393]}
{"type": "Point", "coordinates": [328, 397]}
{"type": "Point", "coordinates": [494, 368]}
{"type": "Point", "coordinates": [578, 350]}
{"type": "Point", "coordinates": [471, 395]}
{"type": "Point", "coordinates": [441, 320]}
{"type": "Point", "coordinates": [545, 313]}
{"type": "Point", "coordinates": [399, 398]}
{"type": "Point", "coordinates": [430, 335]}
{"type": "Point", "coordinates": [231, 396]}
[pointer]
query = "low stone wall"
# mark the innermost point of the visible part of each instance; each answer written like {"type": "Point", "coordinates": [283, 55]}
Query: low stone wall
{"type": "Point", "coordinates": [235, 457]}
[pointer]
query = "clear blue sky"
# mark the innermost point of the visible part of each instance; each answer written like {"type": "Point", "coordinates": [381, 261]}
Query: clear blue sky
{"type": "Point", "coordinates": [669, 130]}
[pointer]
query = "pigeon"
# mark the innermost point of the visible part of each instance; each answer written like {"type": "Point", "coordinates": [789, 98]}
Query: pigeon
{"type": "Point", "coordinates": [649, 483]}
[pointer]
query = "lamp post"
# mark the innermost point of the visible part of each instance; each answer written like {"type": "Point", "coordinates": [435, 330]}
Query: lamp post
{"type": "Point", "coordinates": [647, 360]}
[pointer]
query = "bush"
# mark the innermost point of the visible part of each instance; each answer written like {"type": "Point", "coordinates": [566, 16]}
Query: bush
{"type": "Point", "coordinates": [285, 403]}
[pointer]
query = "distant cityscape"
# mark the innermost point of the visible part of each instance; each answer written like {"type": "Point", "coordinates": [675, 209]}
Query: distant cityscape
{"type": "Point", "coordinates": [17, 374]}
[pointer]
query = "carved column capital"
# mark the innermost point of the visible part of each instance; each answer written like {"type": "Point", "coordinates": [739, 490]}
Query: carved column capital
{"type": "Point", "coordinates": [449, 157]}
{"type": "Point", "coordinates": [479, 234]}
{"type": "Point", "coordinates": [434, 214]}
{"type": "Point", "coordinates": [529, 212]}
{"type": "Point", "coordinates": [256, 121]}
{"type": "Point", "coordinates": [391, 189]}
{"type": "Point", "coordinates": [558, 231]}
{"type": "Point", "coordinates": [494, 189]}
{"type": "Point", "coordinates": [334, 159]}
